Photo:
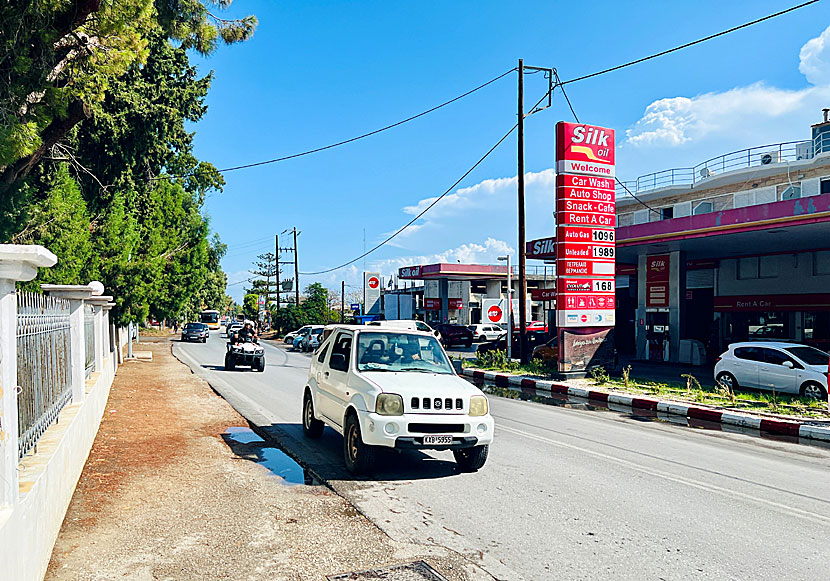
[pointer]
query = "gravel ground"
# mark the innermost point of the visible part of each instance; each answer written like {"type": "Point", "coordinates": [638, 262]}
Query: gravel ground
{"type": "Point", "coordinates": [164, 496]}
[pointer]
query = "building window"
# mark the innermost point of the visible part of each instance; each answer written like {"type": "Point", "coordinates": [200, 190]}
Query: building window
{"type": "Point", "coordinates": [768, 266]}
{"type": "Point", "coordinates": [748, 268]}
{"type": "Point", "coordinates": [791, 192]}
{"type": "Point", "coordinates": [703, 208]}
{"type": "Point", "coordinates": [667, 213]}
{"type": "Point", "coordinates": [821, 262]}
{"type": "Point", "coordinates": [825, 186]}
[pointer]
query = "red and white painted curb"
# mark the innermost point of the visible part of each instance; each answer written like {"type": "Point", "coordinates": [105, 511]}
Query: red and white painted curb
{"type": "Point", "coordinates": [693, 414]}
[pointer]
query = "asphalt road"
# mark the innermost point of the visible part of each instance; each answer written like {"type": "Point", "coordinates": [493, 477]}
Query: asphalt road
{"type": "Point", "coordinates": [568, 493]}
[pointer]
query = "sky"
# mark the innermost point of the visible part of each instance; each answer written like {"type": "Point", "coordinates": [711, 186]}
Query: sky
{"type": "Point", "coordinates": [319, 72]}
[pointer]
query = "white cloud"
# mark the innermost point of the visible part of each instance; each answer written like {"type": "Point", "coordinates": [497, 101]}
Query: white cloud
{"type": "Point", "coordinates": [747, 110]}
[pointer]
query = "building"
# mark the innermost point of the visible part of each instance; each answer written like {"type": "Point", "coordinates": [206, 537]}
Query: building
{"type": "Point", "coordinates": [735, 248]}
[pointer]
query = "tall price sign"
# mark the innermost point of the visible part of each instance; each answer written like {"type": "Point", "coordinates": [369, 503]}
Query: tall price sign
{"type": "Point", "coordinates": [585, 218]}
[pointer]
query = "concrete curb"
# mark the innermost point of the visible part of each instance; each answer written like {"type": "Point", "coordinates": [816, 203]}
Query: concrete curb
{"type": "Point", "coordinates": [691, 412]}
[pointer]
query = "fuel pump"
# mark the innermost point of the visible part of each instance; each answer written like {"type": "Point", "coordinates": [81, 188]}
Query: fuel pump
{"type": "Point", "coordinates": [657, 335]}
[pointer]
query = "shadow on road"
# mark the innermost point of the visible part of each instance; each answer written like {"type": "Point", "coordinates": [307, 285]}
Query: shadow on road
{"type": "Point", "coordinates": [324, 457]}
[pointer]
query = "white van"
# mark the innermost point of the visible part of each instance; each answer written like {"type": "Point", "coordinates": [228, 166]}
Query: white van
{"type": "Point", "coordinates": [407, 324]}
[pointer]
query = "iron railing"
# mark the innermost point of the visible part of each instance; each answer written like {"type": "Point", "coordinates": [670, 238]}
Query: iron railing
{"type": "Point", "coordinates": [752, 157]}
{"type": "Point", "coordinates": [89, 340]}
{"type": "Point", "coordinates": [44, 368]}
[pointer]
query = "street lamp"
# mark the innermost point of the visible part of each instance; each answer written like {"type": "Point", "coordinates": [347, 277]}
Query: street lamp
{"type": "Point", "coordinates": [509, 307]}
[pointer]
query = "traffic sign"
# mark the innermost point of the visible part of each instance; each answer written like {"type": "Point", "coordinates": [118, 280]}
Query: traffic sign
{"type": "Point", "coordinates": [495, 314]}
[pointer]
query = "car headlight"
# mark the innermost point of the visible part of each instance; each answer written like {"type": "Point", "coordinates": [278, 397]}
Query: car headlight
{"type": "Point", "coordinates": [389, 404]}
{"type": "Point", "coordinates": [478, 405]}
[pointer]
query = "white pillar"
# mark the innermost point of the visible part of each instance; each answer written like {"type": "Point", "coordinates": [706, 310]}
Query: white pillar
{"type": "Point", "coordinates": [98, 303]}
{"type": "Point", "coordinates": [76, 295]}
{"type": "Point", "coordinates": [17, 263]}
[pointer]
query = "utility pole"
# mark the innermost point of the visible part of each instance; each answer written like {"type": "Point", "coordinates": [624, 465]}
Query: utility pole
{"type": "Point", "coordinates": [296, 270]}
{"type": "Point", "coordinates": [342, 301]}
{"type": "Point", "coordinates": [521, 179]}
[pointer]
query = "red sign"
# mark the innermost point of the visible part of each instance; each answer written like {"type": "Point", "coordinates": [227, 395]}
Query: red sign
{"type": "Point", "coordinates": [585, 219]}
{"type": "Point", "coordinates": [570, 205]}
{"type": "Point", "coordinates": [585, 285]}
{"type": "Point", "coordinates": [494, 313]}
{"type": "Point", "coordinates": [373, 282]}
{"type": "Point", "coordinates": [543, 294]}
{"type": "Point", "coordinates": [584, 149]}
{"type": "Point", "coordinates": [589, 302]}
{"type": "Point", "coordinates": [432, 304]}
{"type": "Point", "coordinates": [566, 250]}
{"type": "Point", "coordinates": [657, 280]}
{"type": "Point", "coordinates": [456, 304]}
{"type": "Point", "coordinates": [584, 268]}
{"type": "Point", "coordinates": [542, 248]}
{"type": "Point", "coordinates": [585, 235]}
{"type": "Point", "coordinates": [757, 303]}
{"type": "Point", "coordinates": [592, 182]}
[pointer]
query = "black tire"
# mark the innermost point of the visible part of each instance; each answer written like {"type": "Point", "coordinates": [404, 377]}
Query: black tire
{"type": "Point", "coordinates": [359, 457]}
{"type": "Point", "coordinates": [728, 380]}
{"type": "Point", "coordinates": [813, 390]}
{"type": "Point", "coordinates": [229, 362]}
{"type": "Point", "coordinates": [468, 344]}
{"type": "Point", "coordinates": [260, 364]}
{"type": "Point", "coordinates": [204, 340]}
{"type": "Point", "coordinates": [471, 459]}
{"type": "Point", "coordinates": [312, 427]}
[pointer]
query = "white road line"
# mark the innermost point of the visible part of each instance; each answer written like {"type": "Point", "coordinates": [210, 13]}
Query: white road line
{"type": "Point", "coordinates": [786, 509]}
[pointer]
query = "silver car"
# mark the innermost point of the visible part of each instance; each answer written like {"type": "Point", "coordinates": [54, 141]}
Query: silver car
{"type": "Point", "coordinates": [780, 366]}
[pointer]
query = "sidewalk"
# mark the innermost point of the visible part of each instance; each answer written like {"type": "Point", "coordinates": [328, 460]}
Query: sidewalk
{"type": "Point", "coordinates": [168, 492]}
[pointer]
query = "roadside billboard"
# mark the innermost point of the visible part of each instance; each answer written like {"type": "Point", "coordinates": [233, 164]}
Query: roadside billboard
{"type": "Point", "coordinates": [371, 293]}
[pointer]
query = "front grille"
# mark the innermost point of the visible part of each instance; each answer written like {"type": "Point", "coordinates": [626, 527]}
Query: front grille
{"type": "Point", "coordinates": [437, 403]}
{"type": "Point", "coordinates": [416, 428]}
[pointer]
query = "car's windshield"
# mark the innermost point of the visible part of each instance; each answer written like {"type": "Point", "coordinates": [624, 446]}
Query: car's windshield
{"type": "Point", "coordinates": [194, 326]}
{"type": "Point", "coordinates": [385, 351]}
{"type": "Point", "coordinates": [809, 355]}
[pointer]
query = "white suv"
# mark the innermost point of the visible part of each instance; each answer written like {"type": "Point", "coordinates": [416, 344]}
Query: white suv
{"type": "Point", "coordinates": [394, 388]}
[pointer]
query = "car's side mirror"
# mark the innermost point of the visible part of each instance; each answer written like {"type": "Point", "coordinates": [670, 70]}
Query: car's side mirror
{"type": "Point", "coordinates": [788, 364]}
{"type": "Point", "coordinates": [338, 362]}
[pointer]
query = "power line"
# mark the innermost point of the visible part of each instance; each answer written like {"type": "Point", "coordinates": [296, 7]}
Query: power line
{"type": "Point", "coordinates": [576, 117]}
{"type": "Point", "coordinates": [435, 201]}
{"type": "Point", "coordinates": [345, 141]}
{"type": "Point", "coordinates": [688, 44]}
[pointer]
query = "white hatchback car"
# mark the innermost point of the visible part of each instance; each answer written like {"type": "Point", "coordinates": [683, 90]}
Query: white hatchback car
{"type": "Point", "coordinates": [394, 388]}
{"type": "Point", "coordinates": [487, 332]}
{"type": "Point", "coordinates": [783, 367]}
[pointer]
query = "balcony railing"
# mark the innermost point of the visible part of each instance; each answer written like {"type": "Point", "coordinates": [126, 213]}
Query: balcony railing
{"type": "Point", "coordinates": [752, 157]}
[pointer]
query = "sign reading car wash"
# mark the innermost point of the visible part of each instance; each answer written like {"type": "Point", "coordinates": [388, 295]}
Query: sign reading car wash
{"type": "Point", "coordinates": [543, 294]}
{"type": "Point", "coordinates": [371, 293]}
{"type": "Point", "coordinates": [585, 217]}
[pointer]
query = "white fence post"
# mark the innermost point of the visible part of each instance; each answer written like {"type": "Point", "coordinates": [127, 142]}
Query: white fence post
{"type": "Point", "coordinates": [98, 303]}
{"type": "Point", "coordinates": [76, 295]}
{"type": "Point", "coordinates": [17, 263]}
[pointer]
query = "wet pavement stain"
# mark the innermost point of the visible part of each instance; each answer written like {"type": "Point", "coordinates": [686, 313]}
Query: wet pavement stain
{"type": "Point", "coordinates": [245, 443]}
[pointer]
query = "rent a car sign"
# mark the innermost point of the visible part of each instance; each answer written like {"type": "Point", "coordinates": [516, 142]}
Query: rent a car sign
{"type": "Point", "coordinates": [585, 217]}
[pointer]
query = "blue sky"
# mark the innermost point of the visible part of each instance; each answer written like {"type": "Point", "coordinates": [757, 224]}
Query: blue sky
{"type": "Point", "coordinates": [319, 72]}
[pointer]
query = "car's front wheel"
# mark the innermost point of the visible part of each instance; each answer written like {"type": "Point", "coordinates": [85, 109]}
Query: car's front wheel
{"type": "Point", "coordinates": [813, 390]}
{"type": "Point", "coordinates": [260, 365]}
{"type": "Point", "coordinates": [312, 427]}
{"type": "Point", "coordinates": [229, 362]}
{"type": "Point", "coordinates": [471, 459]}
{"type": "Point", "coordinates": [360, 457]}
{"type": "Point", "coordinates": [728, 380]}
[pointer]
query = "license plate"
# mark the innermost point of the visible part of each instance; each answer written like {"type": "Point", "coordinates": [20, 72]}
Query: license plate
{"type": "Point", "coordinates": [438, 440]}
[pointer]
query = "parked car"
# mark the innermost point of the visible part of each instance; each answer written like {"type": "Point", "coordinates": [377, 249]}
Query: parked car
{"type": "Point", "coordinates": [547, 351]}
{"type": "Point", "coordinates": [484, 332]}
{"type": "Point", "coordinates": [534, 340]}
{"type": "Point", "coordinates": [308, 341]}
{"type": "Point", "coordinates": [781, 366]}
{"type": "Point", "coordinates": [289, 338]}
{"type": "Point", "coordinates": [232, 329]}
{"type": "Point", "coordinates": [455, 335]}
{"type": "Point", "coordinates": [423, 404]}
{"type": "Point", "coordinates": [245, 352]}
{"type": "Point", "coordinates": [410, 324]}
{"type": "Point", "coordinates": [195, 332]}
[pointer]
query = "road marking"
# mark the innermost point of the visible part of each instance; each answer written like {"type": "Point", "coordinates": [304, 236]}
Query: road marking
{"type": "Point", "coordinates": [822, 519]}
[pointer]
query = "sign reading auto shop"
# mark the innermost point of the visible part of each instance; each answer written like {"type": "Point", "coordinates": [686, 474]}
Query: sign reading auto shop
{"type": "Point", "coordinates": [585, 218]}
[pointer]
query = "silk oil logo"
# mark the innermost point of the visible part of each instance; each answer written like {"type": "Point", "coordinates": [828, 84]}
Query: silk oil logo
{"type": "Point", "coordinates": [591, 136]}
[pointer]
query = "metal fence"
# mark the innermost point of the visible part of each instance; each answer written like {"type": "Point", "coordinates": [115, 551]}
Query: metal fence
{"type": "Point", "coordinates": [44, 368]}
{"type": "Point", "coordinates": [753, 157]}
{"type": "Point", "coordinates": [89, 340]}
